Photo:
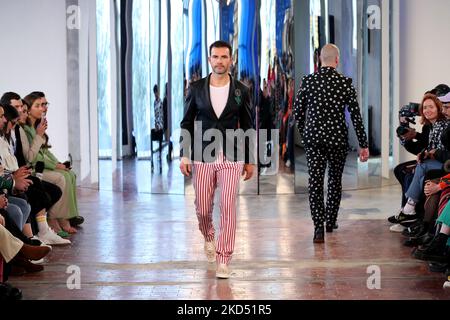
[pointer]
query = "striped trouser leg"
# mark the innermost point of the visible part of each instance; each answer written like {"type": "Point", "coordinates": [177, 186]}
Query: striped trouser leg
{"type": "Point", "coordinates": [205, 181]}
{"type": "Point", "coordinates": [228, 177]}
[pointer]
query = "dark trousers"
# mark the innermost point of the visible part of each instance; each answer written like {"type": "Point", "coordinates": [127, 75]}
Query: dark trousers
{"type": "Point", "coordinates": [404, 177]}
{"type": "Point", "coordinates": [318, 158]}
{"type": "Point", "coordinates": [41, 195]}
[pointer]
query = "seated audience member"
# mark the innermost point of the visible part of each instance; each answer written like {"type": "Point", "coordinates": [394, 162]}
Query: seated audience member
{"type": "Point", "coordinates": [437, 249]}
{"type": "Point", "coordinates": [431, 113]}
{"type": "Point", "coordinates": [55, 172]}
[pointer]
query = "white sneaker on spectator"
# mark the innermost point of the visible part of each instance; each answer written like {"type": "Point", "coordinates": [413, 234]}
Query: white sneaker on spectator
{"type": "Point", "coordinates": [38, 261]}
{"type": "Point", "coordinates": [51, 238]}
{"type": "Point", "coordinates": [397, 228]}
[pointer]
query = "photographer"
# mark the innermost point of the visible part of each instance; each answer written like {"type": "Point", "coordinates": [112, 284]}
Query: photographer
{"type": "Point", "coordinates": [431, 113]}
{"type": "Point", "coordinates": [414, 142]}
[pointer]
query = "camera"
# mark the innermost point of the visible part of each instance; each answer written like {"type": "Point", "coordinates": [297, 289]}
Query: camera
{"type": "Point", "coordinates": [406, 116]}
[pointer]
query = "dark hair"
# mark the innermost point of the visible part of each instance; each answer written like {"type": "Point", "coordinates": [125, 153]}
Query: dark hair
{"type": "Point", "coordinates": [7, 97]}
{"type": "Point", "coordinates": [40, 94]}
{"type": "Point", "coordinates": [155, 89]}
{"type": "Point", "coordinates": [11, 113]}
{"type": "Point", "coordinates": [29, 101]}
{"type": "Point", "coordinates": [25, 103]}
{"type": "Point", "coordinates": [221, 44]}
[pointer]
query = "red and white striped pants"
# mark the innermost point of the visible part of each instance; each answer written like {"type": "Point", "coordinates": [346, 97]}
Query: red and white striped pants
{"type": "Point", "coordinates": [206, 178]}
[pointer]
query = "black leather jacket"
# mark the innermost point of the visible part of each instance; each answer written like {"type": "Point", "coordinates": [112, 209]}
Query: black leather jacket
{"type": "Point", "coordinates": [236, 115]}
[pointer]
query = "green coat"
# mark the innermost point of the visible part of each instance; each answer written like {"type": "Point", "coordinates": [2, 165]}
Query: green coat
{"type": "Point", "coordinates": [50, 162]}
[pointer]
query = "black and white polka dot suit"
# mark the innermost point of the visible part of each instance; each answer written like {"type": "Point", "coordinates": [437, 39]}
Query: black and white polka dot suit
{"type": "Point", "coordinates": [319, 110]}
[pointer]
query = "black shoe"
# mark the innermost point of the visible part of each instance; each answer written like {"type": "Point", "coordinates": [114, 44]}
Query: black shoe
{"type": "Point", "coordinates": [319, 235]}
{"type": "Point", "coordinates": [34, 242]}
{"type": "Point", "coordinates": [416, 230]}
{"type": "Point", "coordinates": [439, 267]}
{"type": "Point", "coordinates": [403, 219]}
{"type": "Point", "coordinates": [435, 251]}
{"type": "Point", "coordinates": [330, 228]}
{"type": "Point", "coordinates": [76, 221]}
{"type": "Point", "coordinates": [9, 293]}
{"type": "Point", "coordinates": [420, 241]}
{"type": "Point", "coordinates": [407, 220]}
{"type": "Point", "coordinates": [394, 219]}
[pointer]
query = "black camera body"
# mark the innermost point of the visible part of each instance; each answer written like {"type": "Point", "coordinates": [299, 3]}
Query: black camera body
{"type": "Point", "coordinates": [407, 115]}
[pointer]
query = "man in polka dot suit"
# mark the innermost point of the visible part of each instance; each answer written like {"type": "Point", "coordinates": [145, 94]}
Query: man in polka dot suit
{"type": "Point", "coordinates": [320, 114]}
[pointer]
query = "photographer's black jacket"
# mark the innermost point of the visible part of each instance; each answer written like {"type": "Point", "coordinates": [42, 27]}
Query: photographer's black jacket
{"type": "Point", "coordinates": [421, 141]}
{"type": "Point", "coordinates": [320, 110]}
{"type": "Point", "coordinates": [236, 115]}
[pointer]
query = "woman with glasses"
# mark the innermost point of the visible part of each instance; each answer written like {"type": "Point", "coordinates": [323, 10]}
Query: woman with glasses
{"type": "Point", "coordinates": [55, 171]}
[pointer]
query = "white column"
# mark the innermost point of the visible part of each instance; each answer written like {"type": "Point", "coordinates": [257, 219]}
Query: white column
{"type": "Point", "coordinates": [92, 94]}
{"type": "Point", "coordinates": [114, 84]}
{"type": "Point", "coordinates": [385, 88]}
{"type": "Point", "coordinates": [395, 69]}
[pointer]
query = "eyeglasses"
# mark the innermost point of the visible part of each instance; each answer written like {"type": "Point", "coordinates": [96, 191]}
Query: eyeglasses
{"type": "Point", "coordinates": [45, 104]}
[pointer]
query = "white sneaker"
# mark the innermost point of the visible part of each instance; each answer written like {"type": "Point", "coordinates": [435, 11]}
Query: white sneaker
{"type": "Point", "coordinates": [397, 228]}
{"type": "Point", "coordinates": [38, 261]}
{"type": "Point", "coordinates": [210, 251]}
{"type": "Point", "coordinates": [50, 237]}
{"type": "Point", "coordinates": [223, 272]}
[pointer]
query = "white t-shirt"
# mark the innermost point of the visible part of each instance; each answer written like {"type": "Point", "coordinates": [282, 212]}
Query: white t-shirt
{"type": "Point", "coordinates": [219, 98]}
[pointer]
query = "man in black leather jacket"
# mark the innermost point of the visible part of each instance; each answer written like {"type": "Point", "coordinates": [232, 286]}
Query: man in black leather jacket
{"type": "Point", "coordinates": [222, 105]}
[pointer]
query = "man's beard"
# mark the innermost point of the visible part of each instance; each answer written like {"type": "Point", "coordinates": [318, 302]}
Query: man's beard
{"type": "Point", "coordinates": [216, 70]}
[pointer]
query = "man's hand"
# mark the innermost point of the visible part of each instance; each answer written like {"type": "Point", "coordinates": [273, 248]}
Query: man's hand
{"type": "Point", "coordinates": [22, 183]}
{"type": "Point", "coordinates": [431, 188]}
{"type": "Point", "coordinates": [21, 173]}
{"type": "Point", "coordinates": [2, 220]}
{"type": "Point", "coordinates": [248, 171]}
{"type": "Point", "coordinates": [185, 167]}
{"type": "Point", "coordinates": [364, 154]}
{"type": "Point", "coordinates": [410, 135]}
{"type": "Point", "coordinates": [3, 202]}
{"type": "Point", "coordinates": [421, 156]}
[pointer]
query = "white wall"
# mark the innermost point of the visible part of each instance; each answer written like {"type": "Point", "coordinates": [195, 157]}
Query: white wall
{"type": "Point", "coordinates": [33, 58]}
{"type": "Point", "coordinates": [424, 48]}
